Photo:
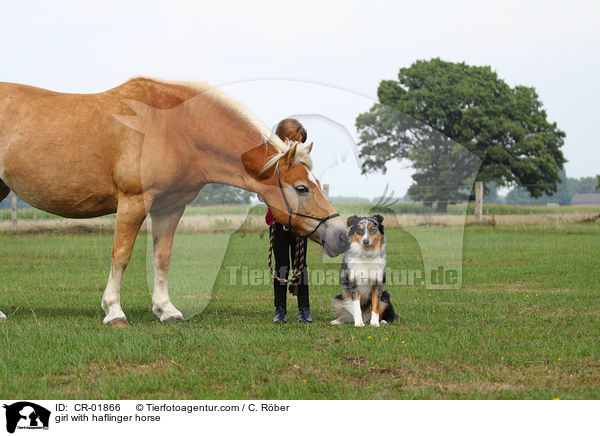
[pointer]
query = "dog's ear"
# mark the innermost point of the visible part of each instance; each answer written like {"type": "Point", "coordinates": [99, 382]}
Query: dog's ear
{"type": "Point", "coordinates": [351, 220]}
{"type": "Point", "coordinates": [379, 219]}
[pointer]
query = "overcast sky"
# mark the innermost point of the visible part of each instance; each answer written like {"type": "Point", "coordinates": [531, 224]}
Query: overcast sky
{"type": "Point", "coordinates": [319, 60]}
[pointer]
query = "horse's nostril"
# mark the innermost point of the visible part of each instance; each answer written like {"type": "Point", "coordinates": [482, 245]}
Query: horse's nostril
{"type": "Point", "coordinates": [343, 240]}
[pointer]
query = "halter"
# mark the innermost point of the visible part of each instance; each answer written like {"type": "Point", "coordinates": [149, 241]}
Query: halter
{"type": "Point", "coordinates": [291, 211]}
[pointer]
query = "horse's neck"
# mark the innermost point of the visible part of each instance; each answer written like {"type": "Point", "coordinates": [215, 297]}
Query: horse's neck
{"type": "Point", "coordinates": [238, 152]}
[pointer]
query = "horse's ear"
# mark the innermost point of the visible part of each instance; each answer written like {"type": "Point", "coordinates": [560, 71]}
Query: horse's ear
{"type": "Point", "coordinates": [290, 155]}
{"type": "Point", "coordinates": [309, 147]}
{"type": "Point", "coordinates": [351, 220]}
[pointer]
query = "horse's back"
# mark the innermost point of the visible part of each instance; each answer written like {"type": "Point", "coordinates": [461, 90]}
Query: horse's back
{"type": "Point", "coordinates": [68, 153]}
{"type": "Point", "coordinates": [58, 151]}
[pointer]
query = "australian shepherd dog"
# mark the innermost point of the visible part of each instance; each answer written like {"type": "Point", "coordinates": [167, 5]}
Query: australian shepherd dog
{"type": "Point", "coordinates": [363, 275]}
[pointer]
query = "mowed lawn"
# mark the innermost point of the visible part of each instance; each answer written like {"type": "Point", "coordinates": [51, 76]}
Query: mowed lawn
{"type": "Point", "coordinates": [525, 324]}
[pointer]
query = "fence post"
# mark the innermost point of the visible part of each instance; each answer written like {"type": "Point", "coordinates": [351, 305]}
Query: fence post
{"type": "Point", "coordinates": [326, 190]}
{"type": "Point", "coordinates": [13, 203]}
{"type": "Point", "coordinates": [479, 202]}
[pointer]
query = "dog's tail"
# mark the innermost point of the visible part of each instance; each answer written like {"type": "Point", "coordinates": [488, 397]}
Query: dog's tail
{"type": "Point", "coordinates": [342, 308]}
{"type": "Point", "coordinates": [389, 314]}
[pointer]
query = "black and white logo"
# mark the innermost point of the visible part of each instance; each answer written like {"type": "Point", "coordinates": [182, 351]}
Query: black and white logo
{"type": "Point", "coordinates": [26, 415]}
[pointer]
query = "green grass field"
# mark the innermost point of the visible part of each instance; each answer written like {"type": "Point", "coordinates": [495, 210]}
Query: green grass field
{"type": "Point", "coordinates": [525, 324]}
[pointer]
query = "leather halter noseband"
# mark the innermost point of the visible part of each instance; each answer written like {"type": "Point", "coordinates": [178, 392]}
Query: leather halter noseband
{"type": "Point", "coordinates": [291, 211]}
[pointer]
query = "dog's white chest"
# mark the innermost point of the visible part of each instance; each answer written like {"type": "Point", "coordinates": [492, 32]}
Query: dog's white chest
{"type": "Point", "coordinates": [365, 272]}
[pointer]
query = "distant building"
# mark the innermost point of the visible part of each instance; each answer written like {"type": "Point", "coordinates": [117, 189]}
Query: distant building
{"type": "Point", "coordinates": [585, 199]}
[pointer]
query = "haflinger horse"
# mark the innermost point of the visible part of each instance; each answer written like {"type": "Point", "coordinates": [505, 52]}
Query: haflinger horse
{"type": "Point", "coordinates": [148, 147]}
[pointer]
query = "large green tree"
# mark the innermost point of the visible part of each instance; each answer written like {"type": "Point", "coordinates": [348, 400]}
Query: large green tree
{"type": "Point", "coordinates": [436, 105]}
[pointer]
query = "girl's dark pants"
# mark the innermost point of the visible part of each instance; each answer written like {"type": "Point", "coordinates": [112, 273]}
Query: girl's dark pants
{"type": "Point", "coordinates": [284, 248]}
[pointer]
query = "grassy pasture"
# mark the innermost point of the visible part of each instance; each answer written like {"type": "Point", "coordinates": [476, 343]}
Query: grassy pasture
{"type": "Point", "coordinates": [525, 324]}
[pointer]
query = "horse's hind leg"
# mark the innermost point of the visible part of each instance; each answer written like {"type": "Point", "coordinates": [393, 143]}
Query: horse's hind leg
{"type": "Point", "coordinates": [4, 191]}
{"type": "Point", "coordinates": [164, 225]}
{"type": "Point", "coordinates": [130, 215]}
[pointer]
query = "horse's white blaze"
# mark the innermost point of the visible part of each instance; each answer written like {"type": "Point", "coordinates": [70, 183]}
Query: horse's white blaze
{"type": "Point", "coordinates": [111, 300]}
{"type": "Point", "coordinates": [313, 179]}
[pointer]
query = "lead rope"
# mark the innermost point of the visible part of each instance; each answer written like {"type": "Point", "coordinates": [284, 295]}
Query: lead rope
{"type": "Point", "coordinates": [299, 256]}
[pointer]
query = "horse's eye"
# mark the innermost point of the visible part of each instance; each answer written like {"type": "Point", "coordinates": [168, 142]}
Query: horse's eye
{"type": "Point", "coordinates": [301, 189]}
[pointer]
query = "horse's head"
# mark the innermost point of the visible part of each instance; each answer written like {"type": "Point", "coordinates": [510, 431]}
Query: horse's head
{"type": "Point", "coordinates": [297, 200]}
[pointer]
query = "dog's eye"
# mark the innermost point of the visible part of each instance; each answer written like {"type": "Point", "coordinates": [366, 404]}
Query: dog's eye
{"type": "Point", "coordinates": [301, 189]}
{"type": "Point", "coordinates": [372, 230]}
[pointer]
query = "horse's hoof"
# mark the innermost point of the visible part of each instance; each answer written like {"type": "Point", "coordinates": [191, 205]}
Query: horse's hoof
{"type": "Point", "coordinates": [119, 322]}
{"type": "Point", "coordinates": [173, 320]}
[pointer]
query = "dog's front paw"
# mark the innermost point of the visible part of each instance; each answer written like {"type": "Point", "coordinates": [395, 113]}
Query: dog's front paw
{"type": "Point", "coordinates": [359, 324]}
{"type": "Point", "coordinates": [335, 322]}
{"type": "Point", "coordinates": [374, 319]}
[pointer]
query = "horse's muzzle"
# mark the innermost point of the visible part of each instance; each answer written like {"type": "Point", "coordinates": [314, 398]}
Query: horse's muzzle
{"type": "Point", "coordinates": [334, 238]}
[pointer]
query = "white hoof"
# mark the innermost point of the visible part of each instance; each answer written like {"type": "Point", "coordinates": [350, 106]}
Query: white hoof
{"type": "Point", "coordinates": [112, 314]}
{"type": "Point", "coordinates": [167, 313]}
{"type": "Point", "coordinates": [173, 319]}
{"type": "Point", "coordinates": [113, 317]}
{"type": "Point", "coordinates": [119, 322]}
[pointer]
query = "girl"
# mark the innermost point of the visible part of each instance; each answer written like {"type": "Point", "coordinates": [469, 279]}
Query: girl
{"type": "Point", "coordinates": [284, 243]}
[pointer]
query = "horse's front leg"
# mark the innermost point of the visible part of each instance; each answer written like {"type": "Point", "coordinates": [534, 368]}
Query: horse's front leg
{"type": "Point", "coordinates": [164, 225]}
{"type": "Point", "coordinates": [130, 216]}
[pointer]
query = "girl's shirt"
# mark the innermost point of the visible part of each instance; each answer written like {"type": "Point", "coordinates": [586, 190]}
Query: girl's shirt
{"type": "Point", "coordinates": [269, 218]}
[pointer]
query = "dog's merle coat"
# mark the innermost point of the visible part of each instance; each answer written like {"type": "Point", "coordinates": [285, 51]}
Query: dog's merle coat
{"type": "Point", "coordinates": [363, 271]}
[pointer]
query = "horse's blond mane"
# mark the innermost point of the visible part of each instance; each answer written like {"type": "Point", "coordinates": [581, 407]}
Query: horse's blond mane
{"type": "Point", "coordinates": [302, 154]}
